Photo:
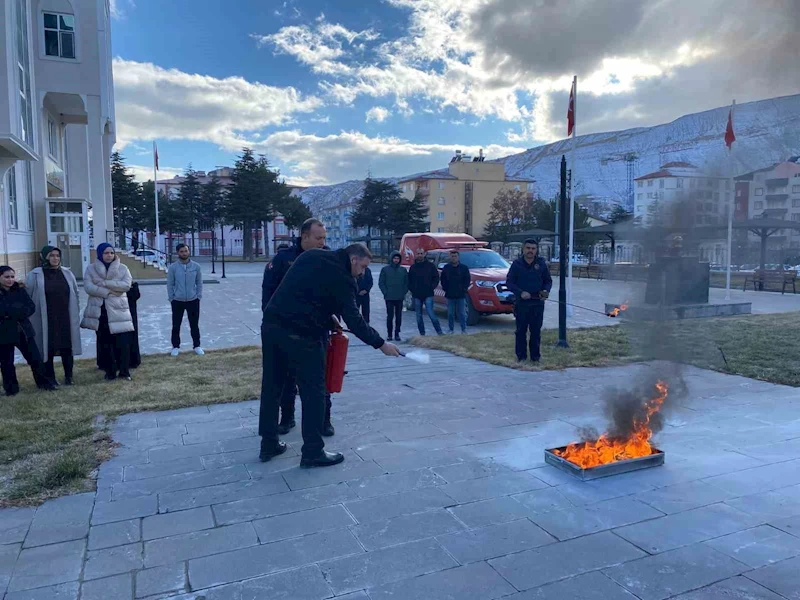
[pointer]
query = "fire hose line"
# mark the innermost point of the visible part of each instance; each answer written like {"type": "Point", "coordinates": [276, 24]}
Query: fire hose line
{"type": "Point", "coordinates": [599, 312]}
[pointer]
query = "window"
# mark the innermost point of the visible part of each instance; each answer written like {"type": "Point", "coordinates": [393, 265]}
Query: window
{"type": "Point", "coordinates": [649, 183]}
{"type": "Point", "coordinates": [24, 75]}
{"type": "Point", "coordinates": [530, 187]}
{"type": "Point", "coordinates": [441, 185]}
{"type": "Point", "coordinates": [59, 35]}
{"type": "Point", "coordinates": [440, 229]}
{"type": "Point", "coordinates": [440, 216]}
{"type": "Point", "coordinates": [796, 188]}
{"type": "Point", "coordinates": [52, 138]}
{"type": "Point", "coordinates": [796, 217]}
{"type": "Point", "coordinates": [29, 192]}
{"type": "Point", "coordinates": [796, 203]}
{"type": "Point", "coordinates": [404, 187]}
{"type": "Point", "coordinates": [639, 184]}
{"type": "Point", "coordinates": [11, 186]}
{"type": "Point", "coordinates": [679, 183]}
{"type": "Point", "coordinates": [759, 191]}
{"type": "Point", "coordinates": [517, 188]}
{"type": "Point", "coordinates": [661, 183]}
{"type": "Point", "coordinates": [716, 196]}
{"type": "Point", "coordinates": [758, 205]}
{"type": "Point", "coordinates": [441, 201]}
{"type": "Point", "coordinates": [639, 196]}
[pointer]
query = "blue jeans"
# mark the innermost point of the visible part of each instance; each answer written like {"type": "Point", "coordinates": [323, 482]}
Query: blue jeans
{"type": "Point", "coordinates": [428, 303]}
{"type": "Point", "coordinates": [459, 307]}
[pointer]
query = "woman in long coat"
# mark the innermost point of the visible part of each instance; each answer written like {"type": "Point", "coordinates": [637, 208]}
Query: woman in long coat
{"type": "Point", "coordinates": [57, 319]}
{"type": "Point", "coordinates": [107, 282]}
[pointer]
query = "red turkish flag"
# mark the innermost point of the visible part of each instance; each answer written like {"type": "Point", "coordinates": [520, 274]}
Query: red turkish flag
{"type": "Point", "coordinates": [571, 111]}
{"type": "Point", "coordinates": [730, 137]}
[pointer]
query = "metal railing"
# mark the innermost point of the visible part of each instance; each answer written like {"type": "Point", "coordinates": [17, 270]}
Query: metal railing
{"type": "Point", "coordinates": [142, 251]}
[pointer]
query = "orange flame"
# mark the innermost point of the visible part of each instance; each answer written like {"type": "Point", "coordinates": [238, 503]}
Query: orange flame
{"type": "Point", "coordinates": [605, 450]}
{"type": "Point", "coordinates": [614, 312]}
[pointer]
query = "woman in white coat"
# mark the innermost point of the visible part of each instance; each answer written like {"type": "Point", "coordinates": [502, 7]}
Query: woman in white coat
{"type": "Point", "coordinates": [107, 281]}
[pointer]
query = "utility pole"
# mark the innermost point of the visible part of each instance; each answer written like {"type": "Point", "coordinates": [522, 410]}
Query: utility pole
{"type": "Point", "coordinates": [562, 259]}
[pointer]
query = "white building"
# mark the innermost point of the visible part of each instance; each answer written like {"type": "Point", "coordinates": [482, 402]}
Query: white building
{"type": "Point", "coordinates": [57, 128]}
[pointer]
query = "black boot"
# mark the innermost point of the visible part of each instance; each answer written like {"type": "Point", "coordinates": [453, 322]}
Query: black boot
{"type": "Point", "coordinates": [271, 450]}
{"type": "Point", "coordinates": [286, 424]}
{"type": "Point", "coordinates": [326, 459]}
{"type": "Point", "coordinates": [327, 428]}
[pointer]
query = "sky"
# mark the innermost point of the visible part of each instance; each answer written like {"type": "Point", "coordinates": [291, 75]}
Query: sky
{"type": "Point", "coordinates": [330, 90]}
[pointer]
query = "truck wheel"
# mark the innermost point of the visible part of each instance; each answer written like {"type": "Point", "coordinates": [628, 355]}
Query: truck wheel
{"type": "Point", "coordinates": [408, 302]}
{"type": "Point", "coordinates": [473, 316]}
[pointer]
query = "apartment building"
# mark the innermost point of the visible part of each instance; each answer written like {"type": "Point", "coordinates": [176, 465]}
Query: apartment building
{"type": "Point", "coordinates": [460, 196]}
{"type": "Point", "coordinates": [57, 129]}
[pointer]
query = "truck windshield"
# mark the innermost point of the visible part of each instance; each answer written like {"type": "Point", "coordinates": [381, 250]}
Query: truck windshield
{"type": "Point", "coordinates": [484, 259]}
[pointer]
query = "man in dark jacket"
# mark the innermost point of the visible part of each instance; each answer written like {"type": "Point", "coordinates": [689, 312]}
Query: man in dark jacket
{"type": "Point", "coordinates": [393, 283]}
{"type": "Point", "coordinates": [312, 235]}
{"type": "Point", "coordinates": [297, 319]}
{"type": "Point", "coordinates": [362, 299]}
{"type": "Point", "coordinates": [423, 277]}
{"type": "Point", "coordinates": [455, 283]}
{"type": "Point", "coordinates": [529, 279]}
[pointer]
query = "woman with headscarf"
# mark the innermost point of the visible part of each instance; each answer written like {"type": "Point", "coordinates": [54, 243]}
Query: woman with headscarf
{"type": "Point", "coordinates": [107, 282]}
{"type": "Point", "coordinates": [56, 322]}
{"type": "Point", "coordinates": [16, 332]}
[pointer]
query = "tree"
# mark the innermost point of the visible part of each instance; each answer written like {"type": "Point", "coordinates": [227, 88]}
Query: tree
{"type": "Point", "coordinates": [372, 209]}
{"type": "Point", "coordinates": [294, 212]}
{"type": "Point", "coordinates": [545, 217]}
{"type": "Point", "coordinates": [407, 216]}
{"type": "Point", "coordinates": [511, 212]}
{"type": "Point", "coordinates": [189, 198]}
{"type": "Point", "coordinates": [253, 197]}
{"type": "Point", "coordinates": [171, 217]}
{"type": "Point", "coordinates": [129, 208]}
{"type": "Point", "coordinates": [211, 206]}
{"type": "Point", "coordinates": [620, 214]}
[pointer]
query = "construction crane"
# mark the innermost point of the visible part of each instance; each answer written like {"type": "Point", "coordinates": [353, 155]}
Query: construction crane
{"type": "Point", "coordinates": [631, 160]}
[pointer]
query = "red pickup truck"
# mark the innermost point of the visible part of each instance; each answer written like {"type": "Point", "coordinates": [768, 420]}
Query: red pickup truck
{"type": "Point", "coordinates": [488, 294]}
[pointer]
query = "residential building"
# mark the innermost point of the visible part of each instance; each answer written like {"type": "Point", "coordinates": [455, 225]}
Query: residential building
{"type": "Point", "coordinates": [772, 192]}
{"type": "Point", "coordinates": [57, 129]}
{"type": "Point", "coordinates": [460, 197]}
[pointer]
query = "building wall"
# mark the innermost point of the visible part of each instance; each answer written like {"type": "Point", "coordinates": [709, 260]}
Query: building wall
{"type": "Point", "coordinates": [759, 189]}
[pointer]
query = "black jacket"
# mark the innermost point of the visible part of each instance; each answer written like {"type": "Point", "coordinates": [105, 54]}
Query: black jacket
{"type": "Point", "coordinates": [15, 308]}
{"type": "Point", "coordinates": [276, 270]}
{"type": "Point", "coordinates": [318, 286]}
{"type": "Point", "coordinates": [455, 281]}
{"type": "Point", "coordinates": [365, 282]}
{"type": "Point", "coordinates": [423, 277]}
{"type": "Point", "coordinates": [532, 278]}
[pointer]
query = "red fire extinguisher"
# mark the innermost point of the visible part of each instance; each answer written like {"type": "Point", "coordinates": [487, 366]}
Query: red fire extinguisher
{"type": "Point", "coordinates": [335, 362]}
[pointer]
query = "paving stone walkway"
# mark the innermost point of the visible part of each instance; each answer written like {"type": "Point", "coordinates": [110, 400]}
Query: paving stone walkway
{"type": "Point", "coordinates": [444, 494]}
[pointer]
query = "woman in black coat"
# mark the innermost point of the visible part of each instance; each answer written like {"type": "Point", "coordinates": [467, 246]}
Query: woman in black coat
{"type": "Point", "coordinates": [136, 358]}
{"type": "Point", "coordinates": [16, 331]}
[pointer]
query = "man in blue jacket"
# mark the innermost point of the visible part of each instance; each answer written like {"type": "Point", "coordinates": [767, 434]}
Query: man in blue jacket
{"type": "Point", "coordinates": [455, 283]}
{"type": "Point", "coordinates": [365, 283]}
{"type": "Point", "coordinates": [529, 279]}
{"type": "Point", "coordinates": [184, 291]}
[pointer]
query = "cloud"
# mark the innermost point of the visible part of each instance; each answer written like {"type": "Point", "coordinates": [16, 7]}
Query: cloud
{"type": "Point", "coordinates": [119, 8]}
{"type": "Point", "coordinates": [378, 114]}
{"type": "Point", "coordinates": [144, 173]}
{"type": "Point", "coordinates": [152, 102]}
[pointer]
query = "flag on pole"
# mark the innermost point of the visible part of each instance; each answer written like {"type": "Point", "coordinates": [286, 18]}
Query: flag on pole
{"type": "Point", "coordinates": [155, 155]}
{"type": "Point", "coordinates": [571, 110]}
{"type": "Point", "coordinates": [730, 137]}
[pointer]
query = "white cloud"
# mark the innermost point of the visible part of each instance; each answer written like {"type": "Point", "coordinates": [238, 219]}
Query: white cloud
{"type": "Point", "coordinates": [119, 8]}
{"type": "Point", "coordinates": [144, 173]}
{"type": "Point", "coordinates": [378, 114]}
{"type": "Point", "coordinates": [156, 103]}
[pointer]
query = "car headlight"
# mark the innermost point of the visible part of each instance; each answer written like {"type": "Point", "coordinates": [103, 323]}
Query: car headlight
{"type": "Point", "coordinates": [484, 283]}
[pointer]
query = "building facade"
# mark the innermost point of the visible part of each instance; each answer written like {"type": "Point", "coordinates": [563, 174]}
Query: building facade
{"type": "Point", "coordinates": [57, 129]}
{"type": "Point", "coordinates": [460, 196]}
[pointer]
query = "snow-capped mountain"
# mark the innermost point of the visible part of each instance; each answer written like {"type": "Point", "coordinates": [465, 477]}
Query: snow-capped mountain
{"type": "Point", "coordinates": [767, 132]}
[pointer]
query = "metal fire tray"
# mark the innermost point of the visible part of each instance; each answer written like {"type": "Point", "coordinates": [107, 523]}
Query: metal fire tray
{"type": "Point", "coordinates": [622, 466]}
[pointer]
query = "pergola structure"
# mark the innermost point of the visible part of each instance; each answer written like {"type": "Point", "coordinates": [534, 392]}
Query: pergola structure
{"type": "Point", "coordinates": [763, 228]}
{"type": "Point", "coordinates": [531, 233]}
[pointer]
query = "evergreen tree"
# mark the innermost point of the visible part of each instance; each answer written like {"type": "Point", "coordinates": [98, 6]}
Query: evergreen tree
{"type": "Point", "coordinates": [129, 209]}
{"type": "Point", "coordinates": [294, 212]}
{"type": "Point", "coordinates": [620, 214]}
{"type": "Point", "coordinates": [372, 209]}
{"type": "Point", "coordinates": [212, 200]}
{"type": "Point", "coordinates": [189, 199]}
{"type": "Point", "coordinates": [407, 216]}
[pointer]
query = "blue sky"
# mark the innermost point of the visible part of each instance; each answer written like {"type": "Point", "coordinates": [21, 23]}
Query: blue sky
{"type": "Point", "coordinates": [331, 89]}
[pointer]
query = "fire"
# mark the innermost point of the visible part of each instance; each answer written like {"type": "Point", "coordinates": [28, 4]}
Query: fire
{"type": "Point", "coordinates": [606, 450]}
{"type": "Point", "coordinates": [617, 310]}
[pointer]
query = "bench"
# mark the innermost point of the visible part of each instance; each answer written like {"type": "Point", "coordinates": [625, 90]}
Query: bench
{"type": "Point", "coordinates": [762, 279]}
{"type": "Point", "coordinates": [591, 271]}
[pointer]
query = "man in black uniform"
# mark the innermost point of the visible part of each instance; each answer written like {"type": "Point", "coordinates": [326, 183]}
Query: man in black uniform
{"type": "Point", "coordinates": [297, 319]}
{"type": "Point", "coordinates": [312, 235]}
{"type": "Point", "coordinates": [529, 279]}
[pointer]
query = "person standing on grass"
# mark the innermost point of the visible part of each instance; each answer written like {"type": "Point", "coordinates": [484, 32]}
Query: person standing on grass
{"type": "Point", "coordinates": [107, 282]}
{"type": "Point", "coordinates": [455, 283]}
{"type": "Point", "coordinates": [529, 280]}
{"type": "Point", "coordinates": [423, 277]}
{"type": "Point", "coordinates": [312, 235]}
{"type": "Point", "coordinates": [393, 283]}
{"type": "Point", "coordinates": [184, 290]}
{"type": "Point", "coordinates": [16, 331]}
{"type": "Point", "coordinates": [57, 320]}
{"type": "Point", "coordinates": [365, 283]}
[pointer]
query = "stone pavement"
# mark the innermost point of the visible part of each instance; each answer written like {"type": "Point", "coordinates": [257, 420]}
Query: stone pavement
{"type": "Point", "coordinates": [231, 310]}
{"type": "Point", "coordinates": [444, 494]}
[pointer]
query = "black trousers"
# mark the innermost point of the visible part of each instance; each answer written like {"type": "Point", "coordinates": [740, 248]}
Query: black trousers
{"type": "Point", "coordinates": [67, 361]}
{"type": "Point", "coordinates": [116, 349]}
{"type": "Point", "coordinates": [394, 313]}
{"type": "Point", "coordinates": [363, 303]}
{"type": "Point", "coordinates": [529, 318]}
{"type": "Point", "coordinates": [192, 309]}
{"type": "Point", "coordinates": [284, 355]}
{"type": "Point", "coordinates": [30, 352]}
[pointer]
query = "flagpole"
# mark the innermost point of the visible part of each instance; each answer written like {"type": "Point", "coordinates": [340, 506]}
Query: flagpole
{"type": "Point", "coordinates": [730, 211]}
{"type": "Point", "coordinates": [571, 192]}
{"type": "Point", "coordinates": [155, 192]}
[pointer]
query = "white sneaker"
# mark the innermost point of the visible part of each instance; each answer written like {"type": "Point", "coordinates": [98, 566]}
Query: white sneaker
{"type": "Point", "coordinates": [199, 351]}
{"type": "Point", "coordinates": [175, 352]}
